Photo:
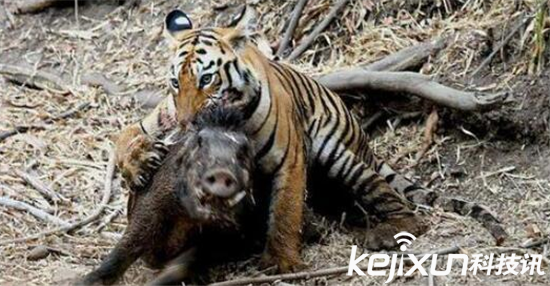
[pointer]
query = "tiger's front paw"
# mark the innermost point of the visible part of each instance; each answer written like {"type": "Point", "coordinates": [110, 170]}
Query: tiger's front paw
{"type": "Point", "coordinates": [283, 263]}
{"type": "Point", "coordinates": [382, 236]}
{"type": "Point", "coordinates": [140, 161]}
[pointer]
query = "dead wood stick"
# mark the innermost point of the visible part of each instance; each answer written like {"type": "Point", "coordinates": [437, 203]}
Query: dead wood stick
{"type": "Point", "coordinates": [289, 33]}
{"type": "Point", "coordinates": [312, 274]}
{"type": "Point", "coordinates": [536, 243]}
{"type": "Point", "coordinates": [107, 191]}
{"type": "Point", "coordinates": [368, 123]}
{"type": "Point", "coordinates": [36, 183]}
{"type": "Point", "coordinates": [29, 6]}
{"type": "Point", "coordinates": [36, 78]}
{"type": "Point", "coordinates": [38, 213]}
{"type": "Point", "coordinates": [108, 219]}
{"type": "Point", "coordinates": [304, 45]}
{"type": "Point", "coordinates": [25, 128]}
{"type": "Point", "coordinates": [413, 83]}
{"type": "Point", "coordinates": [98, 79]}
{"type": "Point", "coordinates": [407, 58]}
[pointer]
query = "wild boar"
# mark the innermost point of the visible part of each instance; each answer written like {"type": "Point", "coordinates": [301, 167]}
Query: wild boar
{"type": "Point", "coordinates": [198, 190]}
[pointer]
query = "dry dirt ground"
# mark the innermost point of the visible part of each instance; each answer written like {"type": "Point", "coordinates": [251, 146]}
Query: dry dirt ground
{"type": "Point", "coordinates": [499, 158]}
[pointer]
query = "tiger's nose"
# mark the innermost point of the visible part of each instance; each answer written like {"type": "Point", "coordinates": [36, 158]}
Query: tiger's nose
{"type": "Point", "coordinates": [220, 183]}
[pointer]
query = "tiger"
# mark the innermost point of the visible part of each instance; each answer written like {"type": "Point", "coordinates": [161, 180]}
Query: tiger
{"type": "Point", "coordinates": [295, 124]}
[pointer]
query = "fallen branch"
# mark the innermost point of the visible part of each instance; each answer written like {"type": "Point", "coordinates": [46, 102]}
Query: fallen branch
{"type": "Point", "coordinates": [26, 128]}
{"type": "Point", "coordinates": [49, 194]}
{"type": "Point", "coordinates": [410, 82]}
{"type": "Point", "coordinates": [294, 19]}
{"type": "Point", "coordinates": [35, 78]}
{"type": "Point", "coordinates": [312, 274]}
{"type": "Point", "coordinates": [38, 213]}
{"type": "Point", "coordinates": [304, 45]}
{"type": "Point", "coordinates": [407, 58]}
{"type": "Point", "coordinates": [107, 191]}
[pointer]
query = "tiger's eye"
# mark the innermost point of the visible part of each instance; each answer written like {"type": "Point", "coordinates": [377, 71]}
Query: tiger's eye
{"type": "Point", "coordinates": [205, 79]}
{"type": "Point", "coordinates": [174, 83]}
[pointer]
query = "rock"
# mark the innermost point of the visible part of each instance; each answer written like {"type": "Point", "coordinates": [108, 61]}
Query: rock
{"type": "Point", "coordinates": [39, 252]}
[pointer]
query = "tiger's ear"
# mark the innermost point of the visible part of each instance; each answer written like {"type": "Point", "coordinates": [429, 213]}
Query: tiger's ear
{"type": "Point", "coordinates": [246, 19]}
{"type": "Point", "coordinates": [175, 25]}
{"type": "Point", "coordinates": [244, 26]}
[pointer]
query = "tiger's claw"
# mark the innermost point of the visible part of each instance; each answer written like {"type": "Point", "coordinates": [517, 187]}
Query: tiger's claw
{"type": "Point", "coordinates": [140, 161]}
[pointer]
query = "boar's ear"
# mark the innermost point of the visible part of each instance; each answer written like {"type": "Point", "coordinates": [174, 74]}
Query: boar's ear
{"type": "Point", "coordinates": [176, 23]}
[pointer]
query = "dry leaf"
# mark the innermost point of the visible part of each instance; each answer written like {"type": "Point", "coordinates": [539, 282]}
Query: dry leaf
{"type": "Point", "coordinates": [533, 231]}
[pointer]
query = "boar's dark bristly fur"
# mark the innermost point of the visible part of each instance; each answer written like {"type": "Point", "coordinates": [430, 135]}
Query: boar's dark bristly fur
{"type": "Point", "coordinates": [197, 190]}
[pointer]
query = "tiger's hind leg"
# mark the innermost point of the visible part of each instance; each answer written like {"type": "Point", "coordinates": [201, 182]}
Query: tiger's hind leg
{"type": "Point", "coordinates": [376, 196]}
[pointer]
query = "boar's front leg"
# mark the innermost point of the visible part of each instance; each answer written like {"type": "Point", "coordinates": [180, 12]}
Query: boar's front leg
{"type": "Point", "coordinates": [177, 270]}
{"type": "Point", "coordinates": [114, 265]}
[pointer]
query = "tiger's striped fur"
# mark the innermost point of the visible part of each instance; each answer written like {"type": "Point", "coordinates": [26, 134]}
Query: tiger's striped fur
{"type": "Point", "coordinates": [295, 123]}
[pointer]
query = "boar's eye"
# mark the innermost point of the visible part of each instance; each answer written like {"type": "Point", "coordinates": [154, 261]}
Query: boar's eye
{"type": "Point", "coordinates": [243, 153]}
{"type": "Point", "coordinates": [199, 141]}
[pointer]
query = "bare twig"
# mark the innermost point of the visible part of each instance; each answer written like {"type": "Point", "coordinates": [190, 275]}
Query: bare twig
{"type": "Point", "coordinates": [108, 219]}
{"type": "Point", "coordinates": [407, 58]}
{"type": "Point", "coordinates": [537, 243]}
{"type": "Point", "coordinates": [312, 274]}
{"type": "Point", "coordinates": [413, 83]}
{"type": "Point", "coordinates": [38, 185]}
{"type": "Point", "coordinates": [36, 78]}
{"type": "Point", "coordinates": [98, 79]}
{"type": "Point", "coordinates": [304, 45]}
{"type": "Point", "coordinates": [502, 44]}
{"type": "Point", "coordinates": [294, 19]}
{"type": "Point", "coordinates": [25, 128]}
{"type": "Point", "coordinates": [107, 190]}
{"type": "Point", "coordinates": [38, 213]}
{"type": "Point", "coordinates": [367, 124]}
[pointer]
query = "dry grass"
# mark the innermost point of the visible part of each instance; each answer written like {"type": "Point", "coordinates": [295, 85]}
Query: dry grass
{"type": "Point", "coordinates": [70, 156]}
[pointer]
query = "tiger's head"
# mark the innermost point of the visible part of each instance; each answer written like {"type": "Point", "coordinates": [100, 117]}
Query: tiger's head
{"type": "Point", "coordinates": [213, 66]}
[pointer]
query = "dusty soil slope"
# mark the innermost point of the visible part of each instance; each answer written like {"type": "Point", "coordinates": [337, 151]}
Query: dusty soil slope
{"type": "Point", "coordinates": [499, 158]}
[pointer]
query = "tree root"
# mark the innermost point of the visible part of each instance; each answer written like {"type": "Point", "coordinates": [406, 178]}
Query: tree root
{"type": "Point", "coordinates": [412, 83]}
{"type": "Point", "coordinates": [408, 58]}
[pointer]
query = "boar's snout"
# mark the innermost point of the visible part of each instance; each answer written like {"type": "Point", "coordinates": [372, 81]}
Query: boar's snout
{"type": "Point", "coordinates": [220, 182]}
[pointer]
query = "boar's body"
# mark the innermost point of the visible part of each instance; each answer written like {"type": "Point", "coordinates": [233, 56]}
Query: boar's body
{"type": "Point", "coordinates": [194, 209]}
